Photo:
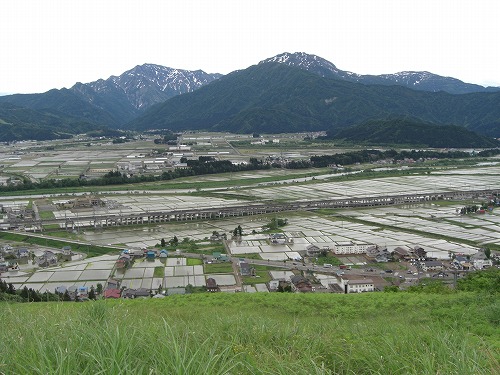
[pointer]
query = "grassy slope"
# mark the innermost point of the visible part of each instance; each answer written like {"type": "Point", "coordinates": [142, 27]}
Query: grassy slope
{"type": "Point", "coordinates": [384, 333]}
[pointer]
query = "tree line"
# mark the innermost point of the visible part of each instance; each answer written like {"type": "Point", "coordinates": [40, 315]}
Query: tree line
{"type": "Point", "coordinates": [208, 165]}
{"type": "Point", "coordinates": [9, 293]}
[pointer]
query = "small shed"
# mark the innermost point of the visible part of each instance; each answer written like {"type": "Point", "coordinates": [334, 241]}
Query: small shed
{"type": "Point", "coordinates": [112, 293]}
{"type": "Point", "coordinates": [83, 291]}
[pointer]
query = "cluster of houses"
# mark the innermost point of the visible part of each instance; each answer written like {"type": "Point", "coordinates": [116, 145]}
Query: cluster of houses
{"type": "Point", "coordinates": [14, 216]}
{"type": "Point", "coordinates": [138, 164]}
{"type": "Point", "coordinates": [128, 256]}
{"type": "Point", "coordinates": [417, 255]}
{"type": "Point", "coordinates": [114, 290]}
{"type": "Point", "coordinates": [478, 261]}
{"type": "Point", "coordinates": [50, 258]}
{"type": "Point", "coordinates": [342, 284]}
{"type": "Point", "coordinates": [83, 293]}
{"type": "Point", "coordinates": [12, 257]}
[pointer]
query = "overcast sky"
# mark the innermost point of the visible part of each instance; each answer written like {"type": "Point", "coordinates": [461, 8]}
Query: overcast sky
{"type": "Point", "coordinates": [48, 44]}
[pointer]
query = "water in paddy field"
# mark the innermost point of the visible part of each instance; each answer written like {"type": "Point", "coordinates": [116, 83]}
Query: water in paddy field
{"type": "Point", "coordinates": [128, 234]}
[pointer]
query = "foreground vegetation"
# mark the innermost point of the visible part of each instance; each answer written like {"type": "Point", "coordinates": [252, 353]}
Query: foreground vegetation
{"type": "Point", "coordinates": [263, 333]}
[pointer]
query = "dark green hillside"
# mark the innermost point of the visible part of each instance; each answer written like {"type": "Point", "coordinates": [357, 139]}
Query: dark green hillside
{"type": "Point", "coordinates": [18, 123]}
{"type": "Point", "coordinates": [408, 131]}
{"type": "Point", "coordinates": [275, 98]}
{"type": "Point", "coordinates": [268, 97]}
{"type": "Point", "coordinates": [113, 100]}
{"type": "Point", "coordinates": [262, 333]}
{"type": "Point", "coordinates": [118, 99]}
{"type": "Point", "coordinates": [62, 101]}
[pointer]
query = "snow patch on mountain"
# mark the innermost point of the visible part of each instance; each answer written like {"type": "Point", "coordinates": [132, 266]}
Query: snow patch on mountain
{"type": "Point", "coordinates": [423, 80]}
{"type": "Point", "coordinates": [148, 84]}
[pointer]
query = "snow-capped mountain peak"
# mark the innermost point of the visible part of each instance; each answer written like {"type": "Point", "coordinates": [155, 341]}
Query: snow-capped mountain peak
{"type": "Point", "coordinates": [148, 84]}
{"type": "Point", "coordinates": [423, 80]}
{"type": "Point", "coordinates": [311, 63]}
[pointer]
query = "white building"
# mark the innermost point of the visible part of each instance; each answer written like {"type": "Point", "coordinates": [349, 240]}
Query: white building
{"type": "Point", "coordinates": [350, 247]}
{"type": "Point", "coordinates": [480, 264]}
{"type": "Point", "coordinates": [431, 265]}
{"type": "Point", "coordinates": [356, 284]}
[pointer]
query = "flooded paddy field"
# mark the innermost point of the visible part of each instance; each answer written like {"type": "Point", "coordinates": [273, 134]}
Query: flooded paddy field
{"type": "Point", "coordinates": [324, 230]}
{"type": "Point", "coordinates": [373, 187]}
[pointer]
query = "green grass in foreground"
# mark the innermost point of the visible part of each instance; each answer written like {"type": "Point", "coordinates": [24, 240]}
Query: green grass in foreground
{"type": "Point", "coordinates": [261, 333]}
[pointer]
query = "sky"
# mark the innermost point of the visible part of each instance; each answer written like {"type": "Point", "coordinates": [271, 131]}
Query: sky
{"type": "Point", "coordinates": [47, 44]}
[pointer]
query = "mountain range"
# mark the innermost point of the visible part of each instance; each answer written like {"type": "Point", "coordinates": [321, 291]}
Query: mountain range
{"type": "Point", "coordinates": [118, 99]}
{"type": "Point", "coordinates": [423, 81]}
{"type": "Point", "coordinates": [273, 97]}
{"type": "Point", "coordinates": [288, 92]}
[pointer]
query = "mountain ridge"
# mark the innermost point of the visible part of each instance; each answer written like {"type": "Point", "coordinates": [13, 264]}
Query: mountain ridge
{"type": "Point", "coordinates": [417, 80]}
{"type": "Point", "coordinates": [411, 131]}
{"type": "Point", "coordinates": [117, 99]}
{"type": "Point", "coordinates": [23, 123]}
{"type": "Point", "coordinates": [288, 99]}
{"type": "Point", "coordinates": [122, 101]}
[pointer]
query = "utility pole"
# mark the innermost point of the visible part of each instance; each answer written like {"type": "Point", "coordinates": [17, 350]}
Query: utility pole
{"type": "Point", "coordinates": [455, 277]}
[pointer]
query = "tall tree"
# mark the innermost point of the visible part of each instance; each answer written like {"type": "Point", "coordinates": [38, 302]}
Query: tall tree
{"type": "Point", "coordinates": [11, 289]}
{"type": "Point", "coordinates": [3, 286]}
{"type": "Point", "coordinates": [487, 252]}
{"type": "Point", "coordinates": [25, 293]}
{"type": "Point", "coordinates": [92, 293]}
{"type": "Point", "coordinates": [66, 296]}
